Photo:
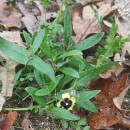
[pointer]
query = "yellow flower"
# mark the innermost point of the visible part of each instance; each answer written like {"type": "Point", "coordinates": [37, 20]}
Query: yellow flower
{"type": "Point", "coordinates": [67, 102]}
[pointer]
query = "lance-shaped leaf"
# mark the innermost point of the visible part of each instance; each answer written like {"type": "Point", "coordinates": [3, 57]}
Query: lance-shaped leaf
{"type": "Point", "coordinates": [92, 73]}
{"type": "Point", "coordinates": [38, 40]}
{"type": "Point", "coordinates": [67, 26]}
{"type": "Point", "coordinates": [89, 42]}
{"type": "Point", "coordinates": [14, 51]}
{"type": "Point", "coordinates": [71, 53]}
{"type": "Point", "coordinates": [69, 71]}
{"type": "Point", "coordinates": [43, 67]}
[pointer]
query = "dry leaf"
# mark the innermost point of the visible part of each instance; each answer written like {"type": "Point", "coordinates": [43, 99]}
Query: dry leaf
{"type": "Point", "coordinates": [103, 119]}
{"type": "Point", "coordinates": [30, 22]}
{"type": "Point", "coordinates": [28, 19]}
{"type": "Point", "coordinates": [108, 24]}
{"type": "Point", "coordinates": [84, 2]}
{"type": "Point", "coordinates": [105, 9]}
{"type": "Point", "coordinates": [42, 17]}
{"type": "Point", "coordinates": [45, 15]}
{"type": "Point", "coordinates": [12, 36]}
{"type": "Point", "coordinates": [125, 49]}
{"type": "Point", "coordinates": [108, 113]}
{"type": "Point", "coordinates": [85, 24]}
{"type": "Point", "coordinates": [2, 101]}
{"type": "Point", "coordinates": [106, 74]}
{"type": "Point", "coordinates": [8, 121]}
{"type": "Point", "coordinates": [84, 21]}
{"type": "Point", "coordinates": [125, 122]}
{"type": "Point", "coordinates": [3, 1]}
{"type": "Point", "coordinates": [26, 123]}
{"type": "Point", "coordinates": [117, 57]}
{"type": "Point", "coordinates": [7, 76]}
{"type": "Point", "coordinates": [119, 99]}
{"type": "Point", "coordinates": [121, 29]}
{"type": "Point", "coordinates": [117, 69]}
{"type": "Point", "coordinates": [33, 22]}
{"type": "Point", "coordinates": [9, 17]}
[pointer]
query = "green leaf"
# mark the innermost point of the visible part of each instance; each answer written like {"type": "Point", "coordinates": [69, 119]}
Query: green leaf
{"type": "Point", "coordinates": [53, 85]}
{"type": "Point", "coordinates": [83, 100]}
{"type": "Point", "coordinates": [17, 75]}
{"type": "Point", "coordinates": [43, 67]}
{"type": "Point", "coordinates": [70, 72]}
{"type": "Point", "coordinates": [50, 88]}
{"type": "Point", "coordinates": [64, 123]}
{"type": "Point", "coordinates": [65, 80]}
{"type": "Point", "coordinates": [88, 94]}
{"type": "Point", "coordinates": [32, 91]}
{"type": "Point", "coordinates": [42, 92]}
{"type": "Point", "coordinates": [82, 122]}
{"type": "Point", "coordinates": [92, 73]}
{"type": "Point", "coordinates": [38, 77]}
{"type": "Point", "coordinates": [89, 42]}
{"type": "Point", "coordinates": [86, 128]}
{"type": "Point", "coordinates": [86, 104]}
{"type": "Point", "coordinates": [27, 37]}
{"type": "Point", "coordinates": [67, 26]}
{"type": "Point", "coordinates": [38, 40]}
{"type": "Point", "coordinates": [45, 49]}
{"type": "Point", "coordinates": [79, 63]}
{"type": "Point", "coordinates": [46, 3]}
{"type": "Point", "coordinates": [71, 53]}
{"type": "Point", "coordinates": [14, 51]}
{"type": "Point", "coordinates": [73, 125]}
{"type": "Point", "coordinates": [76, 62]}
{"type": "Point", "coordinates": [65, 114]}
{"type": "Point", "coordinates": [78, 127]}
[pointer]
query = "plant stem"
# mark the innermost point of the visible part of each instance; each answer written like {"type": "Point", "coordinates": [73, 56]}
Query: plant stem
{"type": "Point", "coordinates": [59, 12]}
{"type": "Point", "coordinates": [51, 101]}
{"type": "Point", "coordinates": [27, 108]}
{"type": "Point", "coordinates": [22, 109]}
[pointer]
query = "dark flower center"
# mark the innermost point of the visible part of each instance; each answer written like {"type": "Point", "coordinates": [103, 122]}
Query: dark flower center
{"type": "Point", "coordinates": [66, 103]}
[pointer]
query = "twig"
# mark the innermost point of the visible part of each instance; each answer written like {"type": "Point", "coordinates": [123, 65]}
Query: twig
{"type": "Point", "coordinates": [86, 30]}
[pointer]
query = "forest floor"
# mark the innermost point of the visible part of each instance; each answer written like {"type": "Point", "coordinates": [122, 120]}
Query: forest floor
{"type": "Point", "coordinates": [88, 17]}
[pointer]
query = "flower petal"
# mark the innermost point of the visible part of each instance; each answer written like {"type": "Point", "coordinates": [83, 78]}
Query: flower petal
{"type": "Point", "coordinates": [73, 100]}
{"type": "Point", "coordinates": [65, 95]}
{"type": "Point", "coordinates": [58, 104]}
{"type": "Point", "coordinates": [73, 103]}
{"type": "Point", "coordinates": [70, 108]}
